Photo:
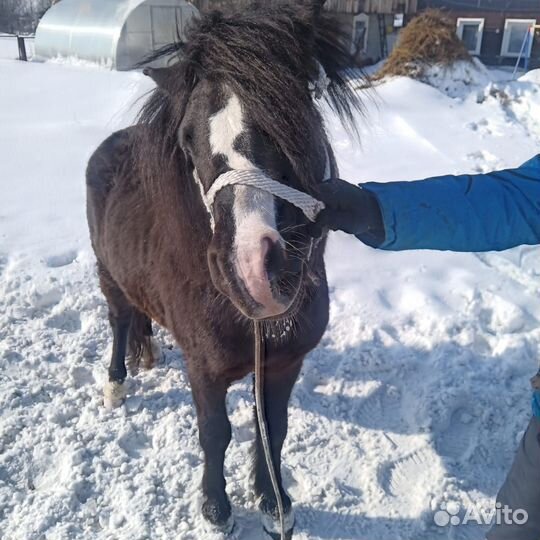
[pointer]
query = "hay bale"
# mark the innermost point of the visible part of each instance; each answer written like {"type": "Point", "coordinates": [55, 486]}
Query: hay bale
{"type": "Point", "coordinates": [428, 40]}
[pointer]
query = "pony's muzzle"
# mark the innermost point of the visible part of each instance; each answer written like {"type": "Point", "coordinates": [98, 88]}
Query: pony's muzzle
{"type": "Point", "coordinates": [261, 266]}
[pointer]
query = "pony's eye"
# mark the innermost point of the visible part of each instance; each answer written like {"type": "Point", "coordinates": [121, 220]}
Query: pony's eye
{"type": "Point", "coordinates": [187, 136]}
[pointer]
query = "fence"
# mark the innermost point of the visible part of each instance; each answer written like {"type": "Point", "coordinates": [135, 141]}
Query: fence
{"type": "Point", "coordinates": [14, 46]}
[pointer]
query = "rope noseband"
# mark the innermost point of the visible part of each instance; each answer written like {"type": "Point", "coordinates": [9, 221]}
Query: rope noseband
{"type": "Point", "coordinates": [258, 179]}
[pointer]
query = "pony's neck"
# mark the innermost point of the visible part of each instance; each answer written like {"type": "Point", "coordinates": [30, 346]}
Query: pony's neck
{"type": "Point", "coordinates": [179, 206]}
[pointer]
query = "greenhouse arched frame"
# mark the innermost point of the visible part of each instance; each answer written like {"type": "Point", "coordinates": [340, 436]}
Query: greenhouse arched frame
{"type": "Point", "coordinates": [114, 33]}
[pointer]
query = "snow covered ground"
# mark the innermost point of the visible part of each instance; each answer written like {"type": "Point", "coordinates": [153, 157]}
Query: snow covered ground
{"type": "Point", "coordinates": [416, 397]}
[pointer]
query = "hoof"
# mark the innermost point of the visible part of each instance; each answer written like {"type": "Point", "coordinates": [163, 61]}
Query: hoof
{"type": "Point", "coordinates": [535, 381]}
{"type": "Point", "coordinates": [224, 530]}
{"type": "Point", "coordinates": [218, 517]}
{"type": "Point", "coordinates": [114, 394]}
{"type": "Point", "coordinates": [271, 526]}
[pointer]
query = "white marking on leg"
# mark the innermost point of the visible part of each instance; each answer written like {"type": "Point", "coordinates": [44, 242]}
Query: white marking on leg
{"type": "Point", "coordinates": [114, 394]}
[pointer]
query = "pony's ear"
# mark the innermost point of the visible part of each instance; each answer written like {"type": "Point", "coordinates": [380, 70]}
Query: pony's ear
{"type": "Point", "coordinates": [161, 76]}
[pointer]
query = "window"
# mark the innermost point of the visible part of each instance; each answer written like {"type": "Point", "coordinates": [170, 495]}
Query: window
{"type": "Point", "coordinates": [470, 31]}
{"type": "Point", "coordinates": [518, 37]}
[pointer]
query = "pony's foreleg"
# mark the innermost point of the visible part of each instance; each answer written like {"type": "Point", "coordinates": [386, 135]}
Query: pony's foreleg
{"type": "Point", "coordinates": [277, 391]}
{"type": "Point", "coordinates": [214, 435]}
{"type": "Point", "coordinates": [120, 318]}
{"type": "Point", "coordinates": [114, 392]}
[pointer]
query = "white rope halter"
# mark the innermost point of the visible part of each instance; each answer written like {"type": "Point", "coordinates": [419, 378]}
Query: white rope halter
{"type": "Point", "coordinates": [258, 179]}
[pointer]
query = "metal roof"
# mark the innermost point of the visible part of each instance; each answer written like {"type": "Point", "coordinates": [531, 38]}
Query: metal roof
{"type": "Point", "coordinates": [91, 30]}
{"type": "Point", "coordinates": [507, 6]}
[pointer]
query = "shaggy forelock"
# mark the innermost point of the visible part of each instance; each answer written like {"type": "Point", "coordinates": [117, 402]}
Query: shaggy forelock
{"type": "Point", "coordinates": [268, 57]}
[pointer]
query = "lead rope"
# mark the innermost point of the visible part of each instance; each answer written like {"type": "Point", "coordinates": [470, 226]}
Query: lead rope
{"type": "Point", "coordinates": [261, 413]}
{"type": "Point", "coordinates": [261, 420]}
{"type": "Point", "coordinates": [311, 208]}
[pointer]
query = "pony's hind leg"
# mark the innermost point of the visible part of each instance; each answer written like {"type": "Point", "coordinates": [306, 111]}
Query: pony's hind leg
{"type": "Point", "coordinates": [277, 391]}
{"type": "Point", "coordinates": [141, 345]}
{"type": "Point", "coordinates": [120, 317]}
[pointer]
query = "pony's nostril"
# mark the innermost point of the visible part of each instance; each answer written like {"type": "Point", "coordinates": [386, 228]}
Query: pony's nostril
{"type": "Point", "coordinates": [274, 260]}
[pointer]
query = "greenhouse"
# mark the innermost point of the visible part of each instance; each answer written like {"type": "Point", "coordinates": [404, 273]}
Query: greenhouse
{"type": "Point", "coordinates": [114, 33]}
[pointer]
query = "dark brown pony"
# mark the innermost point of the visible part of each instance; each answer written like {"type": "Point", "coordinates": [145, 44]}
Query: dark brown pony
{"type": "Point", "coordinates": [240, 96]}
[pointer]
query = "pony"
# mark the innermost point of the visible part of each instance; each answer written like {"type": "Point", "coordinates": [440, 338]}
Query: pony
{"type": "Point", "coordinates": [240, 95]}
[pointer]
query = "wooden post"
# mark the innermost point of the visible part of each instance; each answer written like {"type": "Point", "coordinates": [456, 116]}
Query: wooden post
{"type": "Point", "coordinates": [22, 49]}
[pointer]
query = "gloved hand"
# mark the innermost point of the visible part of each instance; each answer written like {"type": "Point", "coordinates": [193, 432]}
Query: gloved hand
{"type": "Point", "coordinates": [351, 209]}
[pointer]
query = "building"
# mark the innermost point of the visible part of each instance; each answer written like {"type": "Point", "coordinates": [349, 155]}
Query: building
{"type": "Point", "coordinates": [497, 31]}
{"type": "Point", "coordinates": [371, 26]}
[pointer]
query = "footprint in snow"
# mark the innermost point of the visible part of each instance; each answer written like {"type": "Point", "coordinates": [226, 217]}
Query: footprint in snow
{"type": "Point", "coordinates": [484, 128]}
{"type": "Point", "coordinates": [46, 296]}
{"type": "Point", "coordinates": [381, 410]}
{"type": "Point", "coordinates": [134, 443]}
{"type": "Point", "coordinates": [68, 321]}
{"type": "Point", "coordinates": [477, 126]}
{"type": "Point", "coordinates": [399, 478]}
{"type": "Point", "coordinates": [497, 315]}
{"type": "Point", "coordinates": [62, 259]}
{"type": "Point", "coordinates": [483, 161]}
{"type": "Point", "coordinates": [458, 440]}
{"type": "Point", "coordinates": [81, 376]}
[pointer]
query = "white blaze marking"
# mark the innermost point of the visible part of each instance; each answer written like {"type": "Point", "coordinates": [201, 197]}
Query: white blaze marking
{"type": "Point", "coordinates": [253, 209]}
{"type": "Point", "coordinates": [225, 127]}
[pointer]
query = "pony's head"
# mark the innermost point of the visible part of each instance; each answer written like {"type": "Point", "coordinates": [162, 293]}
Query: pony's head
{"type": "Point", "coordinates": [243, 96]}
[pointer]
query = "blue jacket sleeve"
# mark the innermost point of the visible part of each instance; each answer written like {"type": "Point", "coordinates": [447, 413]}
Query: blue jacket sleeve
{"type": "Point", "coordinates": [485, 212]}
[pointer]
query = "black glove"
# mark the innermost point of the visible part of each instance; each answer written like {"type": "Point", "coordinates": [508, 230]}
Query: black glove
{"type": "Point", "coordinates": [351, 209]}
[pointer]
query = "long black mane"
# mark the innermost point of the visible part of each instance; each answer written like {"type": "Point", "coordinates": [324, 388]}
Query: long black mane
{"type": "Point", "coordinates": [268, 57]}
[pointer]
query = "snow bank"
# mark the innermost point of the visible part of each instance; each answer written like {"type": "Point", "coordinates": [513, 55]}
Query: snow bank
{"type": "Point", "coordinates": [459, 79]}
{"type": "Point", "coordinates": [416, 397]}
{"type": "Point", "coordinates": [532, 76]}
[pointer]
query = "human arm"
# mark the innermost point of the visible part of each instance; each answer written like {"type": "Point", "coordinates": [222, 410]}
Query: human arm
{"type": "Point", "coordinates": [493, 211]}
